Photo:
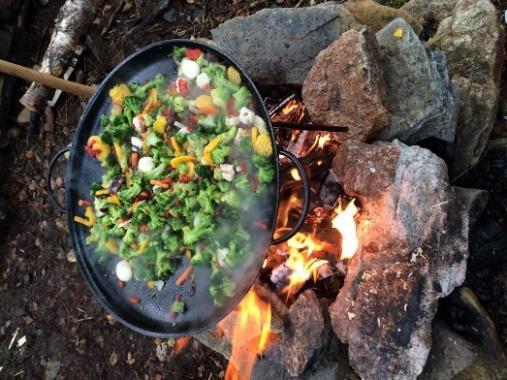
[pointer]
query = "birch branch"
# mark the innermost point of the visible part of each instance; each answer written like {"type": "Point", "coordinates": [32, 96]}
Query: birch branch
{"type": "Point", "coordinates": [72, 22]}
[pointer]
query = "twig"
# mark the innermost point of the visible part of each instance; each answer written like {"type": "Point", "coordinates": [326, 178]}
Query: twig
{"type": "Point", "coordinates": [111, 19]}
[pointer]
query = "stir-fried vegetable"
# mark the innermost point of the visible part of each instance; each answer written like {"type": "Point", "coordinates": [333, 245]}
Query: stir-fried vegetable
{"type": "Point", "coordinates": [182, 161]}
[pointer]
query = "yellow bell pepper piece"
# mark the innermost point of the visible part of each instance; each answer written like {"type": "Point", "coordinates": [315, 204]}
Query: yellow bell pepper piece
{"type": "Point", "coordinates": [98, 145]}
{"type": "Point", "coordinates": [112, 245]}
{"type": "Point", "coordinates": [118, 93]}
{"type": "Point", "coordinates": [255, 134]}
{"type": "Point", "coordinates": [143, 245]}
{"type": "Point", "coordinates": [113, 199]}
{"type": "Point", "coordinates": [191, 169]}
{"type": "Point", "coordinates": [176, 147]}
{"type": "Point", "coordinates": [118, 151]}
{"type": "Point", "coordinates": [263, 145]}
{"type": "Point", "coordinates": [233, 75]}
{"type": "Point", "coordinates": [176, 161]}
{"type": "Point", "coordinates": [159, 124]}
{"type": "Point", "coordinates": [209, 148]}
{"type": "Point", "coordinates": [152, 101]}
{"type": "Point", "coordinates": [102, 192]}
{"type": "Point", "coordinates": [89, 219]}
{"type": "Point", "coordinates": [128, 177]}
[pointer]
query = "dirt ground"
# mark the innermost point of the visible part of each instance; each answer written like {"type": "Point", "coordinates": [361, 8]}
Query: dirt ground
{"type": "Point", "coordinates": [43, 297]}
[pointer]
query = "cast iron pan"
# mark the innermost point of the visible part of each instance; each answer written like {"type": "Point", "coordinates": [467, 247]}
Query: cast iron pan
{"type": "Point", "coordinates": [150, 317]}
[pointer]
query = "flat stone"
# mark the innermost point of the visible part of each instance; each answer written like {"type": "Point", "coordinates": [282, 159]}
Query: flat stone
{"type": "Point", "coordinates": [450, 354]}
{"type": "Point", "coordinates": [472, 38]}
{"type": "Point", "coordinates": [278, 46]}
{"type": "Point", "coordinates": [304, 336]}
{"type": "Point", "coordinates": [409, 256]}
{"type": "Point", "coordinates": [429, 10]}
{"type": "Point", "coordinates": [420, 96]}
{"type": "Point", "coordinates": [345, 86]}
{"type": "Point", "coordinates": [376, 16]}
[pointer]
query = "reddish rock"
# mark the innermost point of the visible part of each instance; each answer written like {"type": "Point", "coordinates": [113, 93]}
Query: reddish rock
{"type": "Point", "coordinates": [345, 86]}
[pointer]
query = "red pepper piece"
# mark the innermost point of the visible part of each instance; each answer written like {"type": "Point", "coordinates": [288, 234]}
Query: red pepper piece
{"type": "Point", "coordinates": [134, 300]}
{"type": "Point", "coordinates": [144, 228]}
{"type": "Point", "coordinates": [260, 225]}
{"type": "Point", "coordinates": [182, 87]}
{"type": "Point", "coordinates": [184, 178]}
{"type": "Point", "coordinates": [193, 53]}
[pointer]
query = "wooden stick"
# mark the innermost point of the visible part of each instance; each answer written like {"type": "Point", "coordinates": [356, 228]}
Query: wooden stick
{"type": "Point", "coordinates": [46, 79]}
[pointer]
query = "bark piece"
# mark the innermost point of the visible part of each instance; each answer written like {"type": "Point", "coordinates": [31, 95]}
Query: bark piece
{"type": "Point", "coordinates": [73, 20]}
{"type": "Point", "coordinates": [345, 86]}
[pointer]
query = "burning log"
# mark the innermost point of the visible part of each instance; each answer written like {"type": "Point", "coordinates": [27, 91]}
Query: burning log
{"type": "Point", "coordinates": [71, 24]}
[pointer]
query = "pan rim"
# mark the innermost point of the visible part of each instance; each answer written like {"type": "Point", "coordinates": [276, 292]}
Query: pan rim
{"type": "Point", "coordinates": [79, 250]}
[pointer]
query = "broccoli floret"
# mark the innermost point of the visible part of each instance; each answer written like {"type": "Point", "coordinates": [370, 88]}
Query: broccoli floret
{"type": "Point", "coordinates": [180, 104]}
{"type": "Point", "coordinates": [122, 133]}
{"type": "Point", "coordinates": [232, 198]}
{"type": "Point", "coordinates": [131, 107]}
{"type": "Point", "coordinates": [221, 286]}
{"type": "Point", "coordinates": [141, 91]}
{"type": "Point", "coordinates": [229, 135]}
{"type": "Point", "coordinates": [241, 182]}
{"type": "Point", "coordinates": [203, 227]}
{"type": "Point", "coordinates": [128, 194]}
{"type": "Point", "coordinates": [130, 235]}
{"type": "Point", "coordinates": [94, 187]}
{"type": "Point", "coordinates": [196, 143]}
{"type": "Point", "coordinates": [220, 153]}
{"type": "Point", "coordinates": [179, 52]}
{"type": "Point", "coordinates": [164, 264]}
{"type": "Point", "coordinates": [266, 170]}
{"type": "Point", "coordinates": [178, 307]}
{"type": "Point", "coordinates": [241, 98]}
{"type": "Point", "coordinates": [156, 221]}
{"type": "Point", "coordinates": [220, 97]}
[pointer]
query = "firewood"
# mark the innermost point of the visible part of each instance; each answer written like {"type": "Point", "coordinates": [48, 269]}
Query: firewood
{"type": "Point", "coordinates": [72, 22]}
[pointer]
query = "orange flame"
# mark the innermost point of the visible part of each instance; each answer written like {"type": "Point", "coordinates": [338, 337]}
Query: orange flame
{"type": "Point", "coordinates": [300, 262]}
{"type": "Point", "coordinates": [323, 139]}
{"type": "Point", "coordinates": [344, 222]}
{"type": "Point", "coordinates": [254, 320]}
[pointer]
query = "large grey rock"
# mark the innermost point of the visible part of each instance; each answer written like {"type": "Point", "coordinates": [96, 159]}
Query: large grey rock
{"type": "Point", "coordinates": [346, 86]}
{"type": "Point", "coordinates": [278, 46]}
{"type": "Point", "coordinates": [413, 233]}
{"type": "Point", "coordinates": [429, 10]}
{"type": "Point", "coordinates": [473, 41]}
{"type": "Point", "coordinates": [421, 99]}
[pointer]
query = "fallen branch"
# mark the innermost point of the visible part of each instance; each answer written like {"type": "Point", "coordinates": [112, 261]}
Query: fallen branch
{"type": "Point", "coordinates": [72, 22]}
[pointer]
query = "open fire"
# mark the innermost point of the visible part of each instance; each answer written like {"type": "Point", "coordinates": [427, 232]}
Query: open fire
{"type": "Point", "coordinates": [306, 255]}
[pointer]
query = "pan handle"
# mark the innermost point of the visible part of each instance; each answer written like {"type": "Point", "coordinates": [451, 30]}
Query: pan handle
{"type": "Point", "coordinates": [51, 195]}
{"type": "Point", "coordinates": [306, 197]}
